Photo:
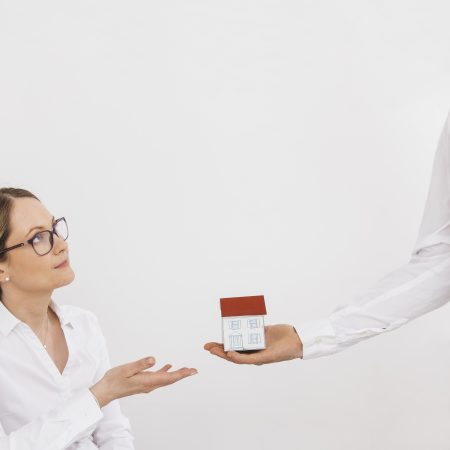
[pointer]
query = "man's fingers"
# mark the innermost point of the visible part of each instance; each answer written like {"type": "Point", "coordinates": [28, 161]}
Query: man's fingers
{"type": "Point", "coordinates": [242, 358]}
{"type": "Point", "coordinates": [209, 345]}
{"type": "Point", "coordinates": [261, 357]}
{"type": "Point", "coordinates": [218, 351]}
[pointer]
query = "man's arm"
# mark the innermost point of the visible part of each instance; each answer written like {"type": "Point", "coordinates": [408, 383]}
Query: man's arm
{"type": "Point", "coordinates": [418, 287]}
{"type": "Point", "coordinates": [415, 289]}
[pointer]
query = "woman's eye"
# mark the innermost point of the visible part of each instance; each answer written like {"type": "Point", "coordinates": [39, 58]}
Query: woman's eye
{"type": "Point", "coordinates": [37, 238]}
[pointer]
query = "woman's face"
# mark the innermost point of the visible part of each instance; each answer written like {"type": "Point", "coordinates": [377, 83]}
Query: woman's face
{"type": "Point", "coordinates": [29, 272]}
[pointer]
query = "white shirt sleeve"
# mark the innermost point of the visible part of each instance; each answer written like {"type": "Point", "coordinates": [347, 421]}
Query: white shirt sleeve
{"type": "Point", "coordinates": [420, 286]}
{"type": "Point", "coordinates": [114, 431]}
{"type": "Point", "coordinates": [57, 429]}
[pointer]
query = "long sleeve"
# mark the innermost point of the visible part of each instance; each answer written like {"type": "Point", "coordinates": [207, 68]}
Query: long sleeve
{"type": "Point", "coordinates": [57, 429]}
{"type": "Point", "coordinates": [420, 286]}
{"type": "Point", "coordinates": [114, 431]}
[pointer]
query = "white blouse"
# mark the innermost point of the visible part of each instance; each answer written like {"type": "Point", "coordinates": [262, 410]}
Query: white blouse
{"type": "Point", "coordinates": [420, 286]}
{"type": "Point", "coordinates": [40, 408]}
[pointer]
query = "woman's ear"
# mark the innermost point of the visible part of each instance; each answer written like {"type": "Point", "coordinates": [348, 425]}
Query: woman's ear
{"type": "Point", "coordinates": [4, 278]}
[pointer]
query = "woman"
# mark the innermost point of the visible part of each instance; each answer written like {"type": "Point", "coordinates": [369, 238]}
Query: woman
{"type": "Point", "coordinates": [56, 391]}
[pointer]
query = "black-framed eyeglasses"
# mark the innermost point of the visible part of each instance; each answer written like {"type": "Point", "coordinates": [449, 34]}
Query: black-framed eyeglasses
{"type": "Point", "coordinates": [42, 242]}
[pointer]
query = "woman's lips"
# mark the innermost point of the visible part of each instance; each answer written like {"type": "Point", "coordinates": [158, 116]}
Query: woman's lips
{"type": "Point", "coordinates": [64, 264]}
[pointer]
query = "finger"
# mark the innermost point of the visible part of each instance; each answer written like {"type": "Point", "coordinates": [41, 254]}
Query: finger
{"type": "Point", "coordinates": [177, 375]}
{"type": "Point", "coordinates": [165, 368]}
{"type": "Point", "coordinates": [159, 379]}
{"type": "Point", "coordinates": [135, 367]}
{"type": "Point", "coordinates": [218, 351]}
{"type": "Point", "coordinates": [209, 345]}
{"type": "Point", "coordinates": [251, 358]}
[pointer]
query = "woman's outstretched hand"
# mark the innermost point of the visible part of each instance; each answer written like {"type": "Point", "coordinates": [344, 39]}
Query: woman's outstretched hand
{"type": "Point", "coordinates": [282, 344]}
{"type": "Point", "coordinates": [134, 378]}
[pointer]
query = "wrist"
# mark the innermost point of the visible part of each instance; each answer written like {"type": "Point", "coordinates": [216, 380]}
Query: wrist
{"type": "Point", "coordinates": [100, 394]}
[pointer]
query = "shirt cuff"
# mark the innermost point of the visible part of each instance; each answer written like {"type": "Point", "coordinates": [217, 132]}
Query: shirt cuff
{"type": "Point", "coordinates": [318, 338]}
{"type": "Point", "coordinates": [81, 414]}
{"type": "Point", "coordinates": [95, 398]}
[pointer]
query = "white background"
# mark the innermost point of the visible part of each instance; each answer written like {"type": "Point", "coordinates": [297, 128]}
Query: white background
{"type": "Point", "coordinates": [203, 149]}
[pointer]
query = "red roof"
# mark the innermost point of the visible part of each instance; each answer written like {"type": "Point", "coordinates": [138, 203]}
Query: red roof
{"type": "Point", "coordinates": [243, 306]}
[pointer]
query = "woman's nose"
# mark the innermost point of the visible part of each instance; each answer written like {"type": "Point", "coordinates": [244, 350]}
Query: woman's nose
{"type": "Point", "coordinates": [59, 244]}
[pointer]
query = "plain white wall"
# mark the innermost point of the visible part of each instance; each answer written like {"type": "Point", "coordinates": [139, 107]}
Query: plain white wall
{"type": "Point", "coordinates": [202, 149]}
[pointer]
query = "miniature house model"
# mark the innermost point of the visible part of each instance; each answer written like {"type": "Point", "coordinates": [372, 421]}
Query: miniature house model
{"type": "Point", "coordinates": [243, 323]}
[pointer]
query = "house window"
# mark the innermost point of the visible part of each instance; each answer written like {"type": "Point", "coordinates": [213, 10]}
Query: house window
{"type": "Point", "coordinates": [254, 338]}
{"type": "Point", "coordinates": [234, 324]}
{"type": "Point", "coordinates": [236, 341]}
{"type": "Point", "coordinates": [253, 323]}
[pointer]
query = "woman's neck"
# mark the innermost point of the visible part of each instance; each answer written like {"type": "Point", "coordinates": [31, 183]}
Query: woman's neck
{"type": "Point", "coordinates": [31, 309]}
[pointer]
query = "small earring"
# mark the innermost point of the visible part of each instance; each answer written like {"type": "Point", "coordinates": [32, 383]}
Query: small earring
{"type": "Point", "coordinates": [7, 278]}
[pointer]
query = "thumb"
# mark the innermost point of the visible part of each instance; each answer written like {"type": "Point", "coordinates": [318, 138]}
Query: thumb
{"type": "Point", "coordinates": [138, 366]}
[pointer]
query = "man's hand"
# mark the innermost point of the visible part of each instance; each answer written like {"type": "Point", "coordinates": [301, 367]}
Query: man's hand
{"type": "Point", "coordinates": [282, 344]}
{"type": "Point", "coordinates": [134, 378]}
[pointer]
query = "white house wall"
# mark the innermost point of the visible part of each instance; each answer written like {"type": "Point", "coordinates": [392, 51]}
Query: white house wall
{"type": "Point", "coordinates": [247, 330]}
